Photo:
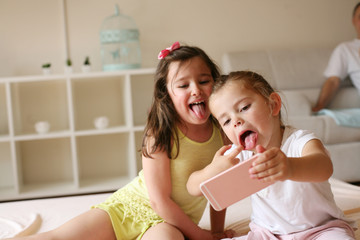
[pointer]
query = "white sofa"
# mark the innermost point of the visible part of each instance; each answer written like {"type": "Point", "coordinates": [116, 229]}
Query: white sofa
{"type": "Point", "coordinates": [298, 75]}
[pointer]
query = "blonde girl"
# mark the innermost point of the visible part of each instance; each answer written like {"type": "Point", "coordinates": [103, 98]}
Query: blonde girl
{"type": "Point", "coordinates": [299, 204]}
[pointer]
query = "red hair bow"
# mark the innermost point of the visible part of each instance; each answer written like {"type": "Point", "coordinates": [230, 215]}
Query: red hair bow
{"type": "Point", "coordinates": [168, 50]}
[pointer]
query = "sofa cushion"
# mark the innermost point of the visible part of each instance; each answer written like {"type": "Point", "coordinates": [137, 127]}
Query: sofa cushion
{"type": "Point", "coordinates": [298, 99]}
{"type": "Point", "coordinates": [312, 123]}
{"type": "Point", "coordinates": [325, 128]}
{"type": "Point", "coordinates": [345, 158]}
{"type": "Point", "coordinates": [346, 97]}
{"type": "Point", "coordinates": [283, 69]}
{"type": "Point", "coordinates": [339, 134]}
{"type": "Point", "coordinates": [256, 61]}
{"type": "Point", "coordinates": [299, 68]}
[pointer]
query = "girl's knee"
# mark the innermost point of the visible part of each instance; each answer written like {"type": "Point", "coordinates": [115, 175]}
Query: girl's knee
{"type": "Point", "coordinates": [163, 231]}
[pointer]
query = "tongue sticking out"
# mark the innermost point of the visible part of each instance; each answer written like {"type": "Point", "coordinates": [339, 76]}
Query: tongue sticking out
{"type": "Point", "coordinates": [199, 110]}
{"type": "Point", "coordinates": [250, 141]}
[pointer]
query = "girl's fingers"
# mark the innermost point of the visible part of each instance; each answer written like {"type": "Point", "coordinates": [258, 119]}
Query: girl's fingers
{"type": "Point", "coordinates": [269, 166]}
{"type": "Point", "coordinates": [235, 152]}
{"type": "Point", "coordinates": [263, 166]}
{"type": "Point", "coordinates": [232, 154]}
{"type": "Point", "coordinates": [264, 174]}
{"type": "Point", "coordinates": [229, 233]}
{"type": "Point", "coordinates": [272, 174]}
{"type": "Point", "coordinates": [222, 150]}
{"type": "Point", "coordinates": [264, 156]}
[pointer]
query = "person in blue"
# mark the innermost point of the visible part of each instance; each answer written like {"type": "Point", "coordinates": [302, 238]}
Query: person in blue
{"type": "Point", "coordinates": [344, 61]}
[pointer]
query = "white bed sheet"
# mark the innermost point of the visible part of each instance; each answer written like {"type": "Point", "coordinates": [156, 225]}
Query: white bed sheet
{"type": "Point", "coordinates": [45, 214]}
{"type": "Point", "coordinates": [52, 213]}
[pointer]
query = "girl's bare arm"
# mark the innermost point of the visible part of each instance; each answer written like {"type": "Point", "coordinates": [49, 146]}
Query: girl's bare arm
{"type": "Point", "coordinates": [315, 164]}
{"type": "Point", "coordinates": [158, 182]}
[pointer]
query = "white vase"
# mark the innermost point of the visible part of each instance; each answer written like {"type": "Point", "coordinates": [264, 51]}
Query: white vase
{"type": "Point", "coordinates": [101, 122]}
{"type": "Point", "coordinates": [68, 69]}
{"type": "Point", "coordinates": [46, 71]}
{"type": "Point", "coordinates": [86, 68]}
{"type": "Point", "coordinates": [42, 127]}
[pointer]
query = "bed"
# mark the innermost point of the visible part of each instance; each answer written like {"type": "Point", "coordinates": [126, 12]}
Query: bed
{"type": "Point", "coordinates": [31, 216]}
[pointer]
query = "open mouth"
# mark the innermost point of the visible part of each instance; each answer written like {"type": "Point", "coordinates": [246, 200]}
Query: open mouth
{"type": "Point", "coordinates": [198, 108]}
{"type": "Point", "coordinates": [248, 139]}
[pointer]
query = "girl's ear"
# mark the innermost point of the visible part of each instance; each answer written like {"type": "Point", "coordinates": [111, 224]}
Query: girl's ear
{"type": "Point", "coordinates": [275, 103]}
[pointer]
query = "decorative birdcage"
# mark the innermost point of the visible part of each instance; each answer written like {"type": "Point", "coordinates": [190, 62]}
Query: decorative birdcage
{"type": "Point", "coordinates": [120, 46]}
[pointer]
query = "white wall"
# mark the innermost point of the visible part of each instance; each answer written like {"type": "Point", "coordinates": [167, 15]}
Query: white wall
{"type": "Point", "coordinates": [31, 31]}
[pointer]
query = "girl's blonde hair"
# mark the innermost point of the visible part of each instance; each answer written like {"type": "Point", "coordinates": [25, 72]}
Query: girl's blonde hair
{"type": "Point", "coordinates": [162, 117]}
{"type": "Point", "coordinates": [251, 80]}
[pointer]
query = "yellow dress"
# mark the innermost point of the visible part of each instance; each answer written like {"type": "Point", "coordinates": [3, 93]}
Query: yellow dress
{"type": "Point", "coordinates": [129, 207]}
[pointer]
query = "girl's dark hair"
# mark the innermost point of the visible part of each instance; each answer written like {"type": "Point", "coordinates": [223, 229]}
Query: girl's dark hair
{"type": "Point", "coordinates": [251, 80]}
{"type": "Point", "coordinates": [159, 133]}
{"type": "Point", "coordinates": [355, 8]}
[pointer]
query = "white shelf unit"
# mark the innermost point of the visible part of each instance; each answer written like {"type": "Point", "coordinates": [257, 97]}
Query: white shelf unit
{"type": "Point", "coordinates": [73, 157]}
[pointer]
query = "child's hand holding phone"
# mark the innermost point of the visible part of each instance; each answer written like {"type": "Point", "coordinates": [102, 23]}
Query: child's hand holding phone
{"type": "Point", "coordinates": [271, 165]}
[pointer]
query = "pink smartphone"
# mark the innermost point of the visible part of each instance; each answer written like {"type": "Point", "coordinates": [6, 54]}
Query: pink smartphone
{"type": "Point", "coordinates": [231, 186]}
